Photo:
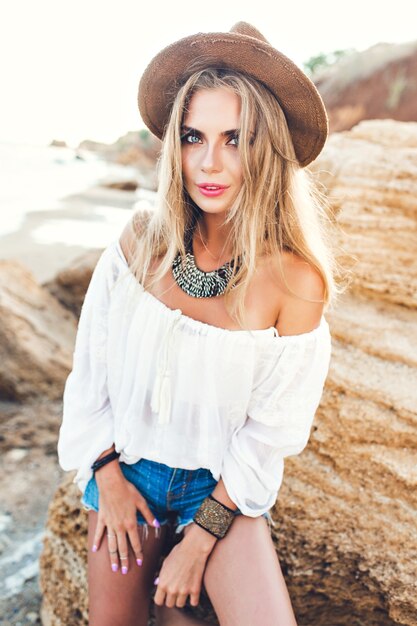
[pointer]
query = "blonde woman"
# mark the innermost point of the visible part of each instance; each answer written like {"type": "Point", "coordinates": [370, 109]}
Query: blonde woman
{"type": "Point", "coordinates": [202, 347]}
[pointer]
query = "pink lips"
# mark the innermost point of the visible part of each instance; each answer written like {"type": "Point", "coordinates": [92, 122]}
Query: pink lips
{"type": "Point", "coordinates": [212, 190]}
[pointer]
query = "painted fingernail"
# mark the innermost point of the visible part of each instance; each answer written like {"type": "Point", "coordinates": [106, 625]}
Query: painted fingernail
{"type": "Point", "coordinates": [156, 523]}
{"type": "Point", "coordinates": [115, 567]}
{"type": "Point", "coordinates": [139, 561]}
{"type": "Point", "coordinates": [94, 548]}
{"type": "Point", "coordinates": [156, 581]}
{"type": "Point", "coordinates": [124, 569]}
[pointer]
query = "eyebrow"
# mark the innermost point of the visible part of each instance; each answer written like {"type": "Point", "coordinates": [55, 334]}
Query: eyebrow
{"type": "Point", "coordinates": [225, 133]}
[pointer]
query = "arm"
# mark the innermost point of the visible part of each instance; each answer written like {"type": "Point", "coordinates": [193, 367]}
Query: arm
{"type": "Point", "coordinates": [87, 427]}
{"type": "Point", "coordinates": [87, 431]}
{"type": "Point", "coordinates": [132, 230]}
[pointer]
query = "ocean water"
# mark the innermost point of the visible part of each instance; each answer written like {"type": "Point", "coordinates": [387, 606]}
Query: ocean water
{"type": "Point", "coordinates": [38, 178]}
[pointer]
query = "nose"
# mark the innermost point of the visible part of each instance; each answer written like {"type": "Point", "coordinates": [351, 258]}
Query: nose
{"type": "Point", "coordinates": [210, 160]}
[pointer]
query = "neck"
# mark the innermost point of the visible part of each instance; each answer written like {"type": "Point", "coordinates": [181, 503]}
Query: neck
{"type": "Point", "coordinates": [214, 234]}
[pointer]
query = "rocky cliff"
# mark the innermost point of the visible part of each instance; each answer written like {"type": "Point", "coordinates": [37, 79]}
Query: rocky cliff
{"type": "Point", "coordinates": [377, 83]}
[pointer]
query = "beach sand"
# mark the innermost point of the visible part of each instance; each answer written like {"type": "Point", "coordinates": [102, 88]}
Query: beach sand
{"type": "Point", "coordinates": [98, 210]}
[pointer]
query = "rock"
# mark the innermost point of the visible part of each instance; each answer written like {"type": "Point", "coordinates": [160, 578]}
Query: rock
{"type": "Point", "coordinates": [70, 284]}
{"type": "Point", "coordinates": [36, 337]}
{"type": "Point", "coordinates": [63, 573]}
{"type": "Point", "coordinates": [123, 185]}
{"type": "Point", "coordinates": [138, 149]}
{"type": "Point", "coordinates": [347, 511]}
{"type": "Point", "coordinates": [58, 143]}
{"type": "Point", "coordinates": [16, 454]}
{"type": "Point", "coordinates": [370, 174]}
{"type": "Point", "coordinates": [376, 83]}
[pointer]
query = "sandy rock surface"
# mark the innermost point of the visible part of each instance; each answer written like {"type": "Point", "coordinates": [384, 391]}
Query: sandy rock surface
{"type": "Point", "coordinates": [70, 284]}
{"type": "Point", "coordinates": [370, 174]}
{"type": "Point", "coordinates": [36, 337]}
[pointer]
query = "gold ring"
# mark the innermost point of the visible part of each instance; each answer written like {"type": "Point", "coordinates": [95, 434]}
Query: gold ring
{"type": "Point", "coordinates": [110, 535]}
{"type": "Point", "coordinates": [113, 551]}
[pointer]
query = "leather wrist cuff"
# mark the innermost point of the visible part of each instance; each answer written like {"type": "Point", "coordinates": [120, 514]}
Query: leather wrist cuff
{"type": "Point", "coordinates": [106, 459]}
{"type": "Point", "coordinates": [215, 517]}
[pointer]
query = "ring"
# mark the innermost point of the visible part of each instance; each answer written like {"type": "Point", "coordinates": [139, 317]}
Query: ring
{"type": "Point", "coordinates": [113, 551]}
{"type": "Point", "coordinates": [123, 558]}
{"type": "Point", "coordinates": [110, 535]}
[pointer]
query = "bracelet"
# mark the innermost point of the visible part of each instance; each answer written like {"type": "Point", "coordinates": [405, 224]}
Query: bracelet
{"type": "Point", "coordinates": [104, 460]}
{"type": "Point", "coordinates": [214, 516]}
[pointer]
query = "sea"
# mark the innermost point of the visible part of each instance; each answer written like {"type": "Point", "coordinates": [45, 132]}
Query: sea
{"type": "Point", "coordinates": [42, 178]}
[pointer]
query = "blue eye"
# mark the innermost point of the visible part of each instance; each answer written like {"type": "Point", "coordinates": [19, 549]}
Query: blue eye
{"type": "Point", "coordinates": [187, 135]}
{"type": "Point", "coordinates": [234, 137]}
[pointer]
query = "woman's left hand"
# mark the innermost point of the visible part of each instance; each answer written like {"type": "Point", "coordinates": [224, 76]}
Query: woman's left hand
{"type": "Point", "coordinates": [182, 571]}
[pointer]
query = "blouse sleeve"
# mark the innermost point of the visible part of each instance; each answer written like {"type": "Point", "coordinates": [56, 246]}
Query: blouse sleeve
{"type": "Point", "coordinates": [286, 394]}
{"type": "Point", "coordinates": [87, 423]}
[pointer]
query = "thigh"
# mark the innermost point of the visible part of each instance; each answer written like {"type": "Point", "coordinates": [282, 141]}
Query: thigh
{"type": "Point", "coordinates": [117, 599]}
{"type": "Point", "coordinates": [243, 577]}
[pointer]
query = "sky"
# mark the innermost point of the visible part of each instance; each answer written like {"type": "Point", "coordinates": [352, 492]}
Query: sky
{"type": "Point", "coordinates": [70, 70]}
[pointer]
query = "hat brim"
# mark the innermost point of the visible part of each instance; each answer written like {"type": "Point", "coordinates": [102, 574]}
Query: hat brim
{"type": "Point", "coordinates": [298, 96]}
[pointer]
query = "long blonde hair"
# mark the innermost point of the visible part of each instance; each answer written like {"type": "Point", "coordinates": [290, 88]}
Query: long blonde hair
{"type": "Point", "coordinates": [278, 208]}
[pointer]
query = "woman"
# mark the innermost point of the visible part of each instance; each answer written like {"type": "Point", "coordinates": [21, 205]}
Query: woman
{"type": "Point", "coordinates": [202, 348]}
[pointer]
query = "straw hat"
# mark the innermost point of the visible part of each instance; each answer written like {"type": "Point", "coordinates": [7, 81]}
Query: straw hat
{"type": "Point", "coordinates": [245, 49]}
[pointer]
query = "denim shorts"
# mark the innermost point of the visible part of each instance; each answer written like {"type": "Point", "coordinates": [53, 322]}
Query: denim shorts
{"type": "Point", "coordinates": [167, 490]}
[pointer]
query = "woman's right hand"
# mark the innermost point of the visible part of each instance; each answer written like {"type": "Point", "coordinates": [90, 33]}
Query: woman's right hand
{"type": "Point", "coordinates": [118, 501]}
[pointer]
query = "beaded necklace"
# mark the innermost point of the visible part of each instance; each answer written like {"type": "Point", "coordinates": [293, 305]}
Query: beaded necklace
{"type": "Point", "coordinates": [194, 281]}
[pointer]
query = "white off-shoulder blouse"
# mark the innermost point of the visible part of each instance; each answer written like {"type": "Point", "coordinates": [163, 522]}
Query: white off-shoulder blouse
{"type": "Point", "coordinates": [163, 386]}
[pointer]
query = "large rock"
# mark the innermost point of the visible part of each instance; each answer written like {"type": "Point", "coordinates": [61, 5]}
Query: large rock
{"type": "Point", "coordinates": [36, 337]}
{"type": "Point", "coordinates": [348, 507]}
{"type": "Point", "coordinates": [70, 284]}
{"type": "Point", "coordinates": [377, 83]}
{"type": "Point", "coordinates": [370, 174]}
{"type": "Point", "coordinates": [347, 511]}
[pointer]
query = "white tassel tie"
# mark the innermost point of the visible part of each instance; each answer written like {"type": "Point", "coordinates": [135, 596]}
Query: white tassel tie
{"type": "Point", "coordinates": [161, 393]}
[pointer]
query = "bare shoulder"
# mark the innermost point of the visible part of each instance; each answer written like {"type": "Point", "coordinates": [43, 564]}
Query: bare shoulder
{"type": "Point", "coordinates": [300, 289]}
{"type": "Point", "coordinates": [132, 231]}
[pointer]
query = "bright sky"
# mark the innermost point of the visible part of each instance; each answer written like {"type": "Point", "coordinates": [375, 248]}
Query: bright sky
{"type": "Point", "coordinates": [70, 70]}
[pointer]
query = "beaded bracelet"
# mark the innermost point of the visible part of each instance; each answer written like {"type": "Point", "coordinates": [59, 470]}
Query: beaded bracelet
{"type": "Point", "coordinates": [105, 459]}
{"type": "Point", "coordinates": [214, 516]}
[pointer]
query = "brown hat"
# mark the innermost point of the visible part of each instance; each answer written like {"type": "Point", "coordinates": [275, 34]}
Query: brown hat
{"type": "Point", "coordinates": [244, 49]}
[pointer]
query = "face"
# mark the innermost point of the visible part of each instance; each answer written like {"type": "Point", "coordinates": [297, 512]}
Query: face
{"type": "Point", "coordinates": [210, 155]}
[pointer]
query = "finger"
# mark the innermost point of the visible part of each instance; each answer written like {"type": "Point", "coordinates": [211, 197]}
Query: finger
{"type": "Point", "coordinates": [181, 600]}
{"type": "Point", "coordinates": [194, 598]}
{"type": "Point", "coordinates": [150, 518]}
{"type": "Point", "coordinates": [136, 545]}
{"type": "Point", "coordinates": [159, 596]}
{"type": "Point", "coordinates": [123, 552]}
{"type": "Point", "coordinates": [98, 534]}
{"type": "Point", "coordinates": [112, 548]}
{"type": "Point", "coordinates": [170, 600]}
